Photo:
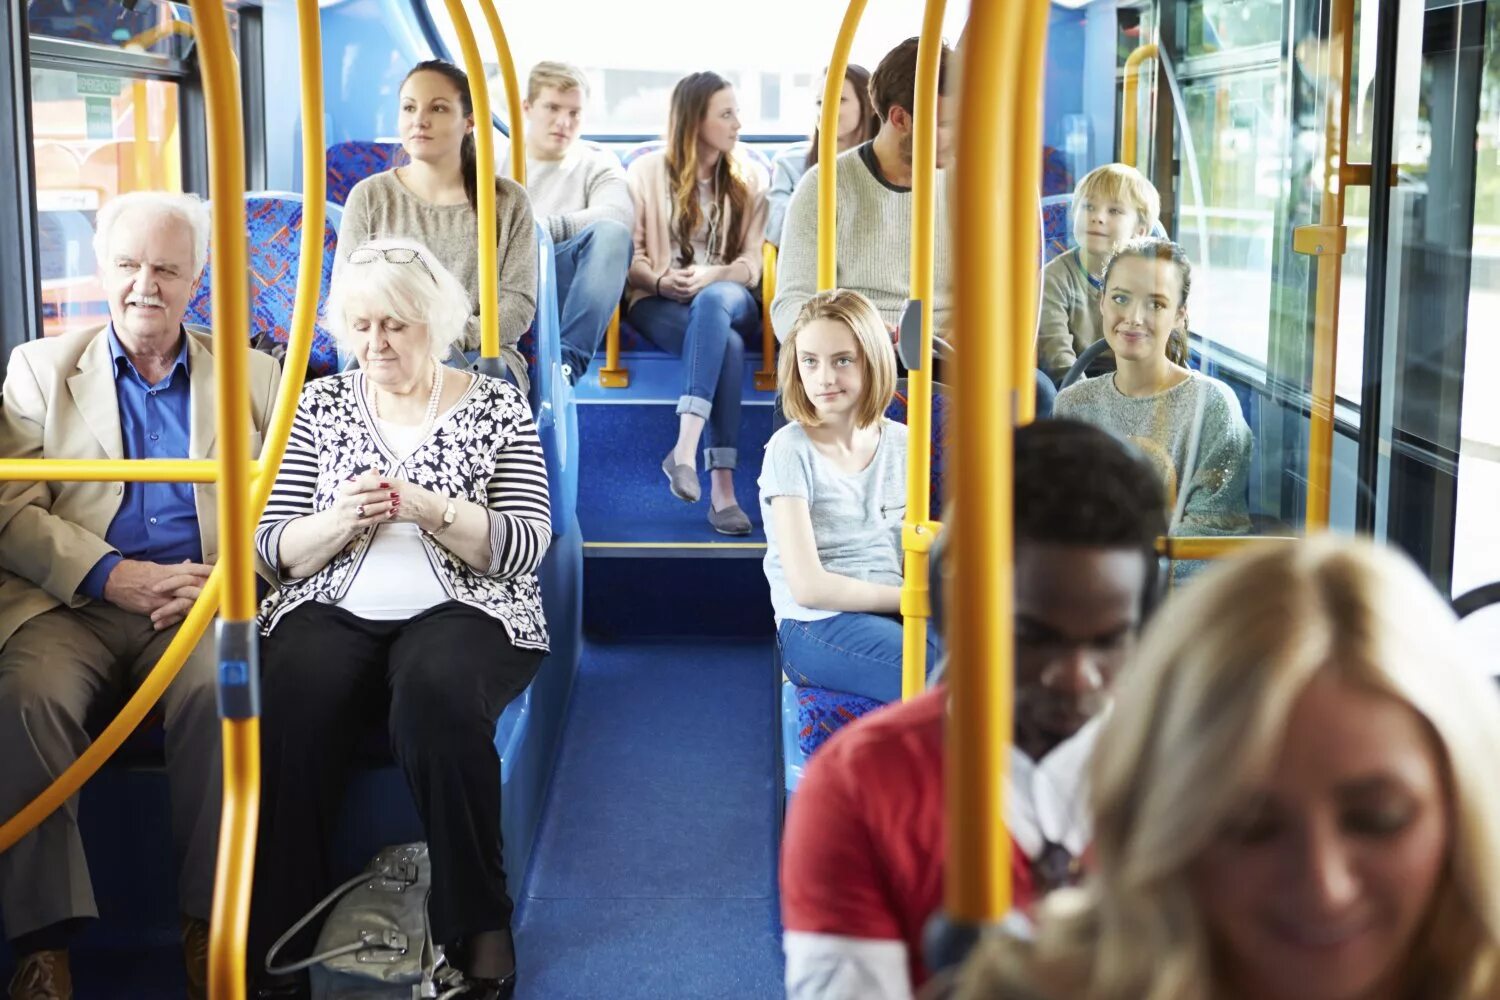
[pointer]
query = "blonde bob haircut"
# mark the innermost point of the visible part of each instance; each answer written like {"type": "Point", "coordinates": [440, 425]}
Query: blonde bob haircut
{"type": "Point", "coordinates": [560, 76]}
{"type": "Point", "coordinates": [877, 357]}
{"type": "Point", "coordinates": [418, 292]}
{"type": "Point", "coordinates": [1122, 183]}
{"type": "Point", "coordinates": [1199, 718]}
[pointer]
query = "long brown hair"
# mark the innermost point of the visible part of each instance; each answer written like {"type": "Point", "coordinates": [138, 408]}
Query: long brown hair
{"type": "Point", "coordinates": [869, 121]}
{"type": "Point", "coordinates": [468, 156]}
{"type": "Point", "coordinates": [689, 107]}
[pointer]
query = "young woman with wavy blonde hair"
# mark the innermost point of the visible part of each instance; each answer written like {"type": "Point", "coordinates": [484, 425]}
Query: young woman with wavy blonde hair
{"type": "Point", "coordinates": [1294, 799]}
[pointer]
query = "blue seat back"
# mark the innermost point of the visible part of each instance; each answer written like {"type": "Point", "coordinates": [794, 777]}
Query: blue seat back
{"type": "Point", "coordinates": [551, 395]}
{"type": "Point", "coordinates": [351, 162]}
{"type": "Point", "coordinates": [274, 223]}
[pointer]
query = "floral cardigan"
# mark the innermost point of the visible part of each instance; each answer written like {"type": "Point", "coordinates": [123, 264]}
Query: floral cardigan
{"type": "Point", "coordinates": [485, 450]}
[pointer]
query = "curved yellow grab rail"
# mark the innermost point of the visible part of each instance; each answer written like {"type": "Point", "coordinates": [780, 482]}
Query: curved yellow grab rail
{"type": "Point", "coordinates": [239, 706]}
{"type": "Point", "coordinates": [612, 376]}
{"type": "Point", "coordinates": [999, 114]}
{"type": "Point", "coordinates": [484, 147]}
{"type": "Point", "coordinates": [1130, 101]}
{"type": "Point", "coordinates": [828, 147]}
{"type": "Point", "coordinates": [147, 167]}
{"type": "Point", "coordinates": [512, 92]}
{"type": "Point", "coordinates": [1327, 241]}
{"type": "Point", "coordinates": [919, 530]}
{"type": "Point", "coordinates": [765, 378]}
{"type": "Point", "coordinates": [299, 347]}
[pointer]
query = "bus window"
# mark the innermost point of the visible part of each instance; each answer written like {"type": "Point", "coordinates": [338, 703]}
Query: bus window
{"type": "Point", "coordinates": [89, 147]}
{"type": "Point", "coordinates": [146, 26]}
{"type": "Point", "coordinates": [634, 54]}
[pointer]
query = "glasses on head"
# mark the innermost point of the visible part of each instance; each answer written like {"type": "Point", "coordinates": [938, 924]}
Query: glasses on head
{"type": "Point", "coordinates": [391, 255]}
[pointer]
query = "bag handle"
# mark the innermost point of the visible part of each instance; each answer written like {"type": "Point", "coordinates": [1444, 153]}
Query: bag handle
{"type": "Point", "coordinates": [309, 917]}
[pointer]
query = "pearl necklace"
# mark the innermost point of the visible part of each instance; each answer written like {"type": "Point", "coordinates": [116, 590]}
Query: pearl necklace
{"type": "Point", "coordinates": [432, 401]}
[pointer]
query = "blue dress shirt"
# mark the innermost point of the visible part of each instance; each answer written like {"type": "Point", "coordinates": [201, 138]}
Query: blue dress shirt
{"type": "Point", "coordinates": [157, 522]}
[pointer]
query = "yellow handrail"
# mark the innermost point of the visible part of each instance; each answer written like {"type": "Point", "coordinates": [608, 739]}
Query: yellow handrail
{"type": "Point", "coordinates": [1129, 100]}
{"type": "Point", "coordinates": [765, 378]}
{"type": "Point", "coordinates": [299, 347]}
{"type": "Point", "coordinates": [1176, 547]}
{"type": "Point", "coordinates": [828, 147]}
{"type": "Point", "coordinates": [1027, 242]}
{"type": "Point", "coordinates": [612, 376]}
{"type": "Point", "coordinates": [147, 167]}
{"type": "Point", "coordinates": [919, 530]}
{"type": "Point", "coordinates": [112, 470]}
{"type": "Point", "coordinates": [1327, 241]}
{"type": "Point", "coordinates": [484, 147]}
{"type": "Point", "coordinates": [512, 92]}
{"type": "Point", "coordinates": [999, 111]}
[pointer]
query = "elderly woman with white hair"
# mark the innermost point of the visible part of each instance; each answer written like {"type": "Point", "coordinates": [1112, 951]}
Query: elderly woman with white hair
{"type": "Point", "coordinates": [406, 526]}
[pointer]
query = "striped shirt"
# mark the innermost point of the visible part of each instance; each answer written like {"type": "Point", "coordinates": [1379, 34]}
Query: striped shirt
{"type": "Point", "coordinates": [486, 451]}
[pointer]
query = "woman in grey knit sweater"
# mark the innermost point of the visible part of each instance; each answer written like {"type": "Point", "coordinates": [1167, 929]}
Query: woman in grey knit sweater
{"type": "Point", "coordinates": [433, 199]}
{"type": "Point", "coordinates": [1188, 424]}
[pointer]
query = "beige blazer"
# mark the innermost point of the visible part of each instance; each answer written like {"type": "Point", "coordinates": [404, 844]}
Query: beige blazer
{"type": "Point", "coordinates": [60, 402]}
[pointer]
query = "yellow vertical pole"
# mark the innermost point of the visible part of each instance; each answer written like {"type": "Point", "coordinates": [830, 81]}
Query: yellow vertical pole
{"type": "Point", "coordinates": [238, 707]}
{"type": "Point", "coordinates": [999, 120]}
{"type": "Point", "coordinates": [484, 148]}
{"type": "Point", "coordinates": [1327, 241]}
{"type": "Point", "coordinates": [919, 530]}
{"type": "Point", "coordinates": [512, 92]}
{"type": "Point", "coordinates": [1130, 101]}
{"type": "Point", "coordinates": [1027, 185]}
{"type": "Point", "coordinates": [828, 147]}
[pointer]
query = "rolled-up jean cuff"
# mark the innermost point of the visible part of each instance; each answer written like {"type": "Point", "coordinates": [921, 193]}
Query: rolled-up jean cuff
{"type": "Point", "coordinates": [696, 405]}
{"type": "Point", "coordinates": [721, 458]}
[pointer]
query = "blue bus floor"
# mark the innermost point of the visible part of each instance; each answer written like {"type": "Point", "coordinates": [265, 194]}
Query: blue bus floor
{"type": "Point", "coordinates": [654, 868]}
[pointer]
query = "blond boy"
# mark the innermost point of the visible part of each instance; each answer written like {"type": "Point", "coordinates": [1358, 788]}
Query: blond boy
{"type": "Point", "coordinates": [1112, 204]}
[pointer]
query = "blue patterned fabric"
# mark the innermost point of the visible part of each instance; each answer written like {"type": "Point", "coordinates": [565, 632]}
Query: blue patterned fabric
{"type": "Point", "coordinates": [897, 412]}
{"type": "Point", "coordinates": [1055, 230]}
{"type": "Point", "coordinates": [274, 224]}
{"type": "Point", "coordinates": [351, 162]}
{"type": "Point", "coordinates": [1056, 177]}
{"type": "Point", "coordinates": [821, 713]}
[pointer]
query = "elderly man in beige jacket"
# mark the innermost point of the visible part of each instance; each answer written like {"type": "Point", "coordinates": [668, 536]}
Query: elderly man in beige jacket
{"type": "Point", "coordinates": [95, 578]}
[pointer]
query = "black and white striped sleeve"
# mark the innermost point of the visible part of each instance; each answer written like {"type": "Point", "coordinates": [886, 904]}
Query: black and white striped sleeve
{"type": "Point", "coordinates": [292, 493]}
{"type": "Point", "coordinates": [520, 510]}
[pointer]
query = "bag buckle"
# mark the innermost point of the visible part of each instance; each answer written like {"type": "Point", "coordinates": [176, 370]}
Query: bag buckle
{"type": "Point", "coordinates": [389, 938]}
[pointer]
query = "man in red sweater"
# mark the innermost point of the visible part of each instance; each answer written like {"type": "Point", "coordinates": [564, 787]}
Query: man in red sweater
{"type": "Point", "coordinates": [862, 857]}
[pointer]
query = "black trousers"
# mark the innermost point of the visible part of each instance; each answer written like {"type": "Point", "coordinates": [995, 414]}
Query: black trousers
{"type": "Point", "coordinates": [441, 679]}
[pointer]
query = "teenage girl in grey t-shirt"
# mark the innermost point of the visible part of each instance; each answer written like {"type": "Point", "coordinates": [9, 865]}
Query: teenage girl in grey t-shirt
{"type": "Point", "coordinates": [832, 497]}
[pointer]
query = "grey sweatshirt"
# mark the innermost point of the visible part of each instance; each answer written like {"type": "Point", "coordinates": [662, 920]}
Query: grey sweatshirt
{"type": "Point", "coordinates": [380, 207]}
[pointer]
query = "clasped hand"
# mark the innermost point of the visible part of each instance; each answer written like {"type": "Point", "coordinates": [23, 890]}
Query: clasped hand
{"type": "Point", "coordinates": [165, 591]}
{"type": "Point", "coordinates": [681, 284]}
{"type": "Point", "coordinates": [372, 499]}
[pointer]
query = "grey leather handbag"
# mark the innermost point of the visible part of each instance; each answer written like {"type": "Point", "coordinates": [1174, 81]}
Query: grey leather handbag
{"type": "Point", "coordinates": [376, 943]}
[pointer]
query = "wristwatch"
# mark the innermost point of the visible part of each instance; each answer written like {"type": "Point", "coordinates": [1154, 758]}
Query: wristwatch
{"type": "Point", "coordinates": [449, 513]}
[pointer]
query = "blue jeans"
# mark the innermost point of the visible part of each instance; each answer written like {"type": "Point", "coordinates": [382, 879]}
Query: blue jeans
{"type": "Point", "coordinates": [1046, 395]}
{"type": "Point", "coordinates": [591, 270]}
{"type": "Point", "coordinates": [853, 652]}
{"type": "Point", "coordinates": [710, 333]}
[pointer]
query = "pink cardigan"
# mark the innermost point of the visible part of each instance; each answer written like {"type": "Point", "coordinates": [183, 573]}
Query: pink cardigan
{"type": "Point", "coordinates": [650, 187]}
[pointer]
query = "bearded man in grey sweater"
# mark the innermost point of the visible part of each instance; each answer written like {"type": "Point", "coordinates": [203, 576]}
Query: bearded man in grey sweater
{"type": "Point", "coordinates": [579, 194]}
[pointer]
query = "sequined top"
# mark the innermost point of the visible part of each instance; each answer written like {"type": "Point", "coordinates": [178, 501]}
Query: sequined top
{"type": "Point", "coordinates": [1195, 435]}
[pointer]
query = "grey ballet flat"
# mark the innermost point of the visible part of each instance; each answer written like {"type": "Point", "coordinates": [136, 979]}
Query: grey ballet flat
{"type": "Point", "coordinates": [729, 521]}
{"type": "Point", "coordinates": [684, 480]}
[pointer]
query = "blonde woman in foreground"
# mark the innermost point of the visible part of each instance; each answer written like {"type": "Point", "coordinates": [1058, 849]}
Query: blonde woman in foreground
{"type": "Point", "coordinates": [1294, 798]}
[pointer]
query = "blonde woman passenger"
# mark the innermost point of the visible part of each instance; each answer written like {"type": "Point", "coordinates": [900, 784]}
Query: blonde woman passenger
{"type": "Point", "coordinates": [1294, 799]}
{"type": "Point", "coordinates": [433, 198]}
{"type": "Point", "coordinates": [833, 497]}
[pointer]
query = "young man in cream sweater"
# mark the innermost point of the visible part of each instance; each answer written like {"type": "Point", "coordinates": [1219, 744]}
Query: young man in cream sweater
{"type": "Point", "coordinates": [579, 194]}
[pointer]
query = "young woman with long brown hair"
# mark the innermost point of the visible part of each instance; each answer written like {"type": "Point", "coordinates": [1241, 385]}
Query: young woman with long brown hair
{"type": "Point", "coordinates": [700, 218]}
